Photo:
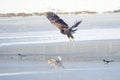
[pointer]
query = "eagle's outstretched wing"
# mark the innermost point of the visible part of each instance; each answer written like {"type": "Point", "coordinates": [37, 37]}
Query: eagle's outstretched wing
{"type": "Point", "coordinates": [76, 24]}
{"type": "Point", "coordinates": [56, 20]}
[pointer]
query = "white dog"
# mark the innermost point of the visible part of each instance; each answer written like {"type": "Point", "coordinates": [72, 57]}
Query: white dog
{"type": "Point", "coordinates": [55, 63]}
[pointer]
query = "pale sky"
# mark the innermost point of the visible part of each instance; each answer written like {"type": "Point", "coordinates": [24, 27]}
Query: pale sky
{"type": "Point", "coordinates": [66, 5]}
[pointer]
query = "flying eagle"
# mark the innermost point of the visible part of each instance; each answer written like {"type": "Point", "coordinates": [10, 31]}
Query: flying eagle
{"type": "Point", "coordinates": [61, 25]}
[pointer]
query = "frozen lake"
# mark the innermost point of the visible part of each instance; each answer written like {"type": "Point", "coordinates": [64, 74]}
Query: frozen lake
{"type": "Point", "coordinates": [98, 33]}
{"type": "Point", "coordinates": [31, 70]}
{"type": "Point", "coordinates": [98, 37]}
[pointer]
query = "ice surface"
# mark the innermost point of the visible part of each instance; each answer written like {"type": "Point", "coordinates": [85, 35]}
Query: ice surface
{"type": "Point", "coordinates": [73, 71]}
{"type": "Point", "coordinates": [7, 39]}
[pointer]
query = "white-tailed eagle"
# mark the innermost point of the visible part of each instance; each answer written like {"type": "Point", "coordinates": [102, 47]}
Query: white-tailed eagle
{"type": "Point", "coordinates": [61, 25]}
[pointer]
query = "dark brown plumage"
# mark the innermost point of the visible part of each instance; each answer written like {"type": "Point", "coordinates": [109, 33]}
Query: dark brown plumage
{"type": "Point", "coordinates": [61, 25]}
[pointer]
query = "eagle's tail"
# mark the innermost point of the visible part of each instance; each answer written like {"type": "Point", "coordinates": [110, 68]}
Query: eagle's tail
{"type": "Point", "coordinates": [73, 31]}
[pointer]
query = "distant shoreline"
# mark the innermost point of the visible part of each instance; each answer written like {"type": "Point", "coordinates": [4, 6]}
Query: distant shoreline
{"type": "Point", "coordinates": [23, 14]}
